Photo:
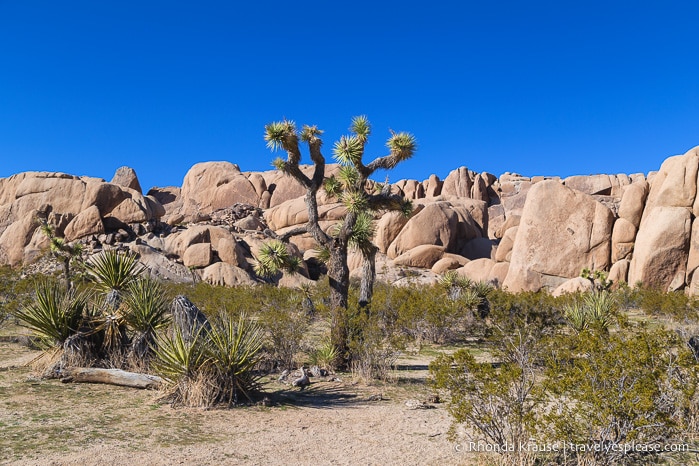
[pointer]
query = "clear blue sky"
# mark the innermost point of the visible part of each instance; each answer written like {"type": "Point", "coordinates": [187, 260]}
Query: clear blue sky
{"type": "Point", "coordinates": [539, 88]}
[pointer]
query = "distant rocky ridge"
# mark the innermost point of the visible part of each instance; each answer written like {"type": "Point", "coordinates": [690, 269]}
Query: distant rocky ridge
{"type": "Point", "coordinates": [517, 232]}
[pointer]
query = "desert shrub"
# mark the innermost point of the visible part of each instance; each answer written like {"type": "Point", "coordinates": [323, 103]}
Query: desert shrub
{"type": "Point", "coordinates": [424, 313]}
{"type": "Point", "coordinates": [16, 292]}
{"type": "Point", "coordinates": [525, 308]}
{"type": "Point", "coordinates": [373, 354]}
{"type": "Point", "coordinates": [285, 322]}
{"type": "Point", "coordinates": [676, 305]}
{"type": "Point", "coordinates": [611, 389]}
{"type": "Point", "coordinates": [216, 366]}
{"type": "Point", "coordinates": [498, 401]}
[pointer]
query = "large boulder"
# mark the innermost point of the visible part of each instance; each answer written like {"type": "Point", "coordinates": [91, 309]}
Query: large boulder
{"type": "Point", "coordinates": [662, 245]}
{"type": "Point", "coordinates": [574, 285]}
{"type": "Point", "coordinates": [623, 237]}
{"type": "Point", "coordinates": [435, 224]}
{"type": "Point", "coordinates": [126, 176]}
{"type": "Point", "coordinates": [561, 232]}
{"type": "Point", "coordinates": [210, 186]}
{"type": "Point", "coordinates": [458, 183]}
{"type": "Point", "coordinates": [226, 275]}
{"type": "Point", "coordinates": [86, 223]}
{"type": "Point", "coordinates": [632, 202]}
{"type": "Point", "coordinates": [424, 256]}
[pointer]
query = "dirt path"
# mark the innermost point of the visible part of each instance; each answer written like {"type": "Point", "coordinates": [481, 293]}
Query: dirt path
{"type": "Point", "coordinates": [49, 423]}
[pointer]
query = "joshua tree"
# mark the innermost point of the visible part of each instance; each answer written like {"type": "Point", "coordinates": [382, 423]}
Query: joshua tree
{"type": "Point", "coordinates": [351, 186]}
{"type": "Point", "coordinates": [63, 251]}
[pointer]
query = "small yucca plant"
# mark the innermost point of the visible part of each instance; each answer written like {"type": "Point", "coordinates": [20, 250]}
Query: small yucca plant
{"type": "Point", "coordinates": [146, 312]}
{"type": "Point", "coordinates": [325, 356]}
{"type": "Point", "coordinates": [56, 313]}
{"type": "Point", "coordinates": [112, 270]}
{"type": "Point", "coordinates": [234, 351]}
{"type": "Point", "coordinates": [213, 366]}
{"type": "Point", "coordinates": [273, 258]}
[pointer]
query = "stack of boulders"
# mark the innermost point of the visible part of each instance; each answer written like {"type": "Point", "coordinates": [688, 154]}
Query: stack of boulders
{"type": "Point", "coordinates": [516, 232]}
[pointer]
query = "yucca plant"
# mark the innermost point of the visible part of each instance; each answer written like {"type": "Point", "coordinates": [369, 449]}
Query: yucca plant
{"type": "Point", "coordinates": [325, 356]}
{"type": "Point", "coordinates": [273, 258]}
{"type": "Point", "coordinates": [146, 311]}
{"type": "Point", "coordinates": [62, 250]}
{"type": "Point", "coordinates": [182, 363]}
{"type": "Point", "coordinates": [213, 366]}
{"type": "Point", "coordinates": [576, 315]}
{"type": "Point", "coordinates": [600, 306]}
{"type": "Point", "coordinates": [234, 350]}
{"type": "Point", "coordinates": [112, 271]}
{"type": "Point", "coordinates": [56, 313]}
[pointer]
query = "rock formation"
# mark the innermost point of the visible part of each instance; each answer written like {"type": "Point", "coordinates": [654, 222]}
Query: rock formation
{"type": "Point", "coordinates": [521, 233]}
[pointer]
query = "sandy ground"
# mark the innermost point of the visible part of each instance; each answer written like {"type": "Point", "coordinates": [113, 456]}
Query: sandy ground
{"type": "Point", "coordinates": [49, 423]}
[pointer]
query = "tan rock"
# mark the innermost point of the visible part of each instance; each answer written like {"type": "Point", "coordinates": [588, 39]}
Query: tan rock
{"type": "Point", "coordinates": [177, 243]}
{"type": "Point", "coordinates": [231, 252]}
{"type": "Point", "coordinates": [211, 186]}
{"type": "Point", "coordinates": [126, 176]}
{"type": "Point", "coordinates": [424, 256]}
{"type": "Point", "coordinates": [479, 190]}
{"type": "Point", "coordinates": [258, 183]}
{"type": "Point", "coordinates": [496, 218]}
{"type": "Point", "coordinates": [129, 211]}
{"type": "Point", "coordinates": [433, 186]}
{"type": "Point", "coordinates": [86, 223]}
{"type": "Point", "coordinates": [561, 232]}
{"type": "Point", "coordinates": [198, 255]}
{"type": "Point", "coordinates": [458, 183]}
{"type": "Point", "coordinates": [574, 285]}
{"type": "Point", "coordinates": [661, 250]}
{"type": "Point", "coordinates": [623, 237]}
{"type": "Point", "coordinates": [222, 274]}
{"type": "Point", "coordinates": [413, 190]}
{"type": "Point", "coordinates": [449, 262]}
{"type": "Point", "coordinates": [504, 250]}
{"type": "Point", "coordinates": [619, 272]}
{"type": "Point", "coordinates": [632, 202]}
{"type": "Point", "coordinates": [295, 212]}
{"type": "Point", "coordinates": [105, 196]}
{"type": "Point", "coordinates": [592, 184]}
{"type": "Point", "coordinates": [478, 270]}
{"type": "Point", "coordinates": [675, 185]}
{"type": "Point", "coordinates": [14, 239]}
{"type": "Point", "coordinates": [498, 273]}
{"type": "Point", "coordinates": [435, 224]}
{"type": "Point", "coordinates": [159, 266]}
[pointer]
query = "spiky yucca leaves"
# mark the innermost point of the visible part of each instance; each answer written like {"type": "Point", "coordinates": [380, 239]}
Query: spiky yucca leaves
{"type": "Point", "coordinates": [234, 351]}
{"type": "Point", "coordinates": [280, 134]}
{"type": "Point", "coordinates": [56, 313]}
{"type": "Point", "coordinates": [182, 362]}
{"type": "Point", "coordinates": [361, 127]}
{"type": "Point", "coordinates": [349, 150]}
{"type": "Point", "coordinates": [594, 310]}
{"type": "Point", "coordinates": [273, 258]}
{"type": "Point", "coordinates": [362, 233]}
{"type": "Point", "coordinates": [113, 270]}
{"type": "Point", "coordinates": [576, 315]}
{"type": "Point", "coordinates": [333, 187]}
{"type": "Point", "coordinates": [355, 201]}
{"type": "Point", "coordinates": [402, 146]}
{"type": "Point", "coordinates": [213, 366]}
{"type": "Point", "coordinates": [146, 312]}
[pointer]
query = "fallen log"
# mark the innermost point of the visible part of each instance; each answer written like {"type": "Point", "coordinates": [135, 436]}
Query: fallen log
{"type": "Point", "coordinates": [110, 376]}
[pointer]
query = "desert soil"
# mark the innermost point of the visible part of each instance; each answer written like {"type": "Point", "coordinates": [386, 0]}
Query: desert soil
{"type": "Point", "coordinates": [46, 422]}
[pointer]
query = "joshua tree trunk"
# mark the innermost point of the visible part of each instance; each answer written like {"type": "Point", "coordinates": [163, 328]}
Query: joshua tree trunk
{"type": "Point", "coordinates": [338, 276]}
{"type": "Point", "coordinates": [366, 289]}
